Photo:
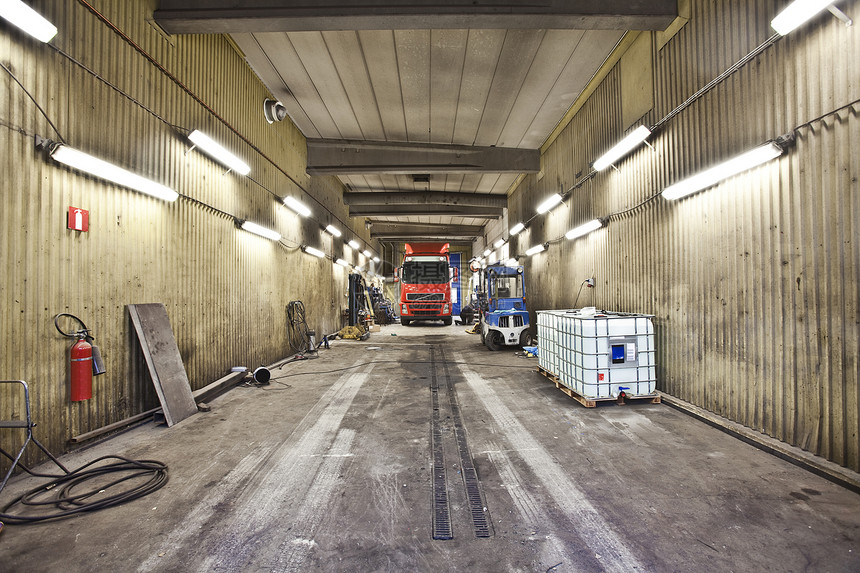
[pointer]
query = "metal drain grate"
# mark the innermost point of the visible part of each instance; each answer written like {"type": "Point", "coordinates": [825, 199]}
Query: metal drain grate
{"type": "Point", "coordinates": [480, 516]}
{"type": "Point", "coordinates": [441, 509]}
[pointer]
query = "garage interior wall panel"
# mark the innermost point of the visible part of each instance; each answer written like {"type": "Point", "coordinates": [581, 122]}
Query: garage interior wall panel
{"type": "Point", "coordinates": [225, 290]}
{"type": "Point", "coordinates": [754, 283]}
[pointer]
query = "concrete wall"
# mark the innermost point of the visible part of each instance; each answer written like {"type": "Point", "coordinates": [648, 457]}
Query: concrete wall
{"type": "Point", "coordinates": [753, 283]}
{"type": "Point", "coordinates": [225, 289]}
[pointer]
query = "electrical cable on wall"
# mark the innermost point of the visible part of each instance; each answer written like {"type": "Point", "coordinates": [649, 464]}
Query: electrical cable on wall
{"type": "Point", "coordinates": [111, 26]}
{"type": "Point", "coordinates": [677, 110]}
{"type": "Point", "coordinates": [162, 119]}
{"type": "Point", "coordinates": [298, 331]}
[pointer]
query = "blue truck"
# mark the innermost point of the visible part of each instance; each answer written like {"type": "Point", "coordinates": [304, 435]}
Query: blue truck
{"type": "Point", "coordinates": [504, 318]}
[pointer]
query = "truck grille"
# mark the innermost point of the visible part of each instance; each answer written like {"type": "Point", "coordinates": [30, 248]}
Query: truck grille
{"type": "Point", "coordinates": [425, 296]}
{"type": "Point", "coordinates": [510, 321]}
{"type": "Point", "coordinates": [422, 306]}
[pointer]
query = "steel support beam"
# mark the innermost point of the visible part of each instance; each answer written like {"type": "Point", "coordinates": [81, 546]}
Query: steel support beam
{"type": "Point", "coordinates": [389, 231]}
{"type": "Point", "coordinates": [421, 210]}
{"type": "Point", "coordinates": [392, 198]}
{"type": "Point", "coordinates": [342, 157]}
{"type": "Point", "coordinates": [229, 16]}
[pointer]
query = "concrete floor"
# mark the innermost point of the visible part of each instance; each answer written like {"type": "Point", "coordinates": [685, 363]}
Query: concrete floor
{"type": "Point", "coordinates": [329, 469]}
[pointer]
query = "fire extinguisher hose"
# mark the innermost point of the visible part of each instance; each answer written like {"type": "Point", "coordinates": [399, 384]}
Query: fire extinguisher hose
{"type": "Point", "coordinates": [91, 487]}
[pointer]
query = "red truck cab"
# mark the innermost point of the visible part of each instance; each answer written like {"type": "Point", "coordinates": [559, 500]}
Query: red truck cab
{"type": "Point", "coordinates": [425, 283]}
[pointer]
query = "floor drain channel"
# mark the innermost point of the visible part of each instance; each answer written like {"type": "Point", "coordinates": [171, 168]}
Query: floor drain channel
{"type": "Point", "coordinates": [441, 509]}
{"type": "Point", "coordinates": [477, 507]}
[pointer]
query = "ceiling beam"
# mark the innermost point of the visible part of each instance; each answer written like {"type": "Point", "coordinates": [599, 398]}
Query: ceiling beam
{"type": "Point", "coordinates": [342, 157]}
{"type": "Point", "coordinates": [421, 210]}
{"type": "Point", "coordinates": [432, 231]}
{"type": "Point", "coordinates": [373, 198]}
{"type": "Point", "coordinates": [229, 16]}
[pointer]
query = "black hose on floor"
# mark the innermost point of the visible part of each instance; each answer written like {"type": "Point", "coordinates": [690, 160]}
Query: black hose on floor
{"type": "Point", "coordinates": [86, 489]}
{"type": "Point", "coordinates": [299, 333]}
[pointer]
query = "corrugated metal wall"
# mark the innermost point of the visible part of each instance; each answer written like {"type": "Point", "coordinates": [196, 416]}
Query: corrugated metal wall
{"type": "Point", "coordinates": [225, 290]}
{"type": "Point", "coordinates": [754, 283]}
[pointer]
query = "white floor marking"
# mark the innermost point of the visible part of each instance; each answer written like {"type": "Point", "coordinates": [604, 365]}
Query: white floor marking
{"type": "Point", "coordinates": [595, 531]}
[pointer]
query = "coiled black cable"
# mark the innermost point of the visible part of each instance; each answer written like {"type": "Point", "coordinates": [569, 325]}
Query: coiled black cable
{"type": "Point", "coordinates": [299, 333]}
{"type": "Point", "coordinates": [87, 489]}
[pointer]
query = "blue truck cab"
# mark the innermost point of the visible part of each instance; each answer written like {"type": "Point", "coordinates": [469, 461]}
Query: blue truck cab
{"type": "Point", "coordinates": [504, 318]}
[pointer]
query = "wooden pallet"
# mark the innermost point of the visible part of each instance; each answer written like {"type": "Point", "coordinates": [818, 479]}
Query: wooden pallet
{"type": "Point", "coordinates": [592, 402]}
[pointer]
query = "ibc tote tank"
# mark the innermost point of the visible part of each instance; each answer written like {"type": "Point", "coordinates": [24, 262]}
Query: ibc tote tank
{"type": "Point", "coordinates": [598, 354]}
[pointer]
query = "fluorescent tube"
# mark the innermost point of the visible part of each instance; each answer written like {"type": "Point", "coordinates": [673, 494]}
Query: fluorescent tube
{"type": "Point", "coordinates": [499, 243]}
{"type": "Point", "coordinates": [314, 252]}
{"type": "Point", "coordinates": [366, 253]}
{"type": "Point", "coordinates": [354, 244]}
{"type": "Point", "coordinates": [297, 206]}
{"type": "Point", "coordinates": [217, 152]}
{"type": "Point", "coordinates": [512, 263]}
{"type": "Point", "coordinates": [797, 13]}
{"type": "Point", "coordinates": [554, 200]}
{"type": "Point", "coordinates": [487, 252]}
{"type": "Point", "coordinates": [375, 259]}
{"type": "Point", "coordinates": [622, 148]}
{"type": "Point", "coordinates": [332, 230]}
{"type": "Point", "coordinates": [535, 250]}
{"type": "Point", "coordinates": [342, 263]}
{"type": "Point", "coordinates": [714, 175]}
{"type": "Point", "coordinates": [104, 170]}
{"type": "Point", "coordinates": [262, 231]}
{"type": "Point", "coordinates": [516, 229]}
{"type": "Point", "coordinates": [27, 19]}
{"type": "Point", "coordinates": [583, 229]}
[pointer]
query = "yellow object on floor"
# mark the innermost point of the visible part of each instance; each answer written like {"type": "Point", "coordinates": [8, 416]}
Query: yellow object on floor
{"type": "Point", "coordinates": [351, 332]}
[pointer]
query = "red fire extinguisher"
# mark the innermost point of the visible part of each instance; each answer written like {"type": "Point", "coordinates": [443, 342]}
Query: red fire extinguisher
{"type": "Point", "coordinates": [85, 360]}
{"type": "Point", "coordinates": [82, 369]}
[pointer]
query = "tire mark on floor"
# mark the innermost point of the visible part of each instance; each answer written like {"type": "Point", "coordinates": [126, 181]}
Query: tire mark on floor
{"type": "Point", "coordinates": [288, 473]}
{"type": "Point", "coordinates": [307, 517]}
{"type": "Point", "coordinates": [592, 528]}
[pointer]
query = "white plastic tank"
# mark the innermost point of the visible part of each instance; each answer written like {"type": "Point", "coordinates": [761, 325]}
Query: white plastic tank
{"type": "Point", "coordinates": [598, 354]}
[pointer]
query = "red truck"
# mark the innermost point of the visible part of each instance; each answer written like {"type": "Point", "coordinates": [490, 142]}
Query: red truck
{"type": "Point", "coordinates": [425, 283]}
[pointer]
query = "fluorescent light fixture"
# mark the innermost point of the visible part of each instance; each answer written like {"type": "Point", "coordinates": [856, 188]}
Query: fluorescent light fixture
{"type": "Point", "coordinates": [487, 252]}
{"type": "Point", "coordinates": [262, 231]}
{"type": "Point", "coordinates": [797, 13]}
{"type": "Point", "coordinates": [375, 259]}
{"type": "Point", "coordinates": [535, 250]}
{"type": "Point", "coordinates": [516, 229]}
{"type": "Point", "coordinates": [332, 230]}
{"type": "Point", "coordinates": [366, 253]}
{"type": "Point", "coordinates": [217, 152]}
{"type": "Point", "coordinates": [104, 170]}
{"type": "Point", "coordinates": [554, 200]}
{"type": "Point", "coordinates": [583, 229]}
{"type": "Point", "coordinates": [30, 21]}
{"type": "Point", "coordinates": [622, 148]}
{"type": "Point", "coordinates": [354, 244]}
{"type": "Point", "coordinates": [512, 263]}
{"type": "Point", "coordinates": [342, 263]}
{"type": "Point", "coordinates": [314, 252]}
{"type": "Point", "coordinates": [297, 206]}
{"type": "Point", "coordinates": [499, 243]}
{"type": "Point", "coordinates": [712, 176]}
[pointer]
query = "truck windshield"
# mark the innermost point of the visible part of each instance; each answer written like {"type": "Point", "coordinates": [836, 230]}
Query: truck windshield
{"type": "Point", "coordinates": [425, 272]}
{"type": "Point", "coordinates": [507, 287]}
